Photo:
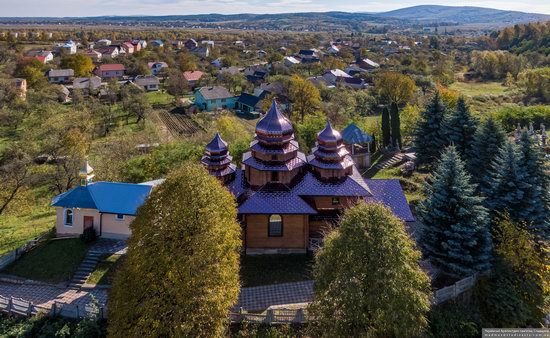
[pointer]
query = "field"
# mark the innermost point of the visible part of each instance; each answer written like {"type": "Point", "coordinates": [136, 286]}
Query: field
{"type": "Point", "coordinates": [480, 88]}
{"type": "Point", "coordinates": [486, 97]}
{"type": "Point", "coordinates": [178, 125]}
{"type": "Point", "coordinates": [160, 98]}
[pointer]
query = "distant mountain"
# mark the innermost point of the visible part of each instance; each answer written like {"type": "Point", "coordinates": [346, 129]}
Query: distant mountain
{"type": "Point", "coordinates": [463, 15]}
{"type": "Point", "coordinates": [475, 17]}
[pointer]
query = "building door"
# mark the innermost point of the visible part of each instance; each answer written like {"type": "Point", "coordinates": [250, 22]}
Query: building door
{"type": "Point", "coordinates": [88, 222]}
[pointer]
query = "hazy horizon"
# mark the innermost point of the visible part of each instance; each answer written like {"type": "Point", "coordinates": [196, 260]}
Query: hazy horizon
{"type": "Point", "coordinates": [89, 8]}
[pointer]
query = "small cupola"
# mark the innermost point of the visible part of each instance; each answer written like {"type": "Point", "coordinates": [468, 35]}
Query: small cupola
{"type": "Point", "coordinates": [330, 158]}
{"type": "Point", "coordinates": [86, 174]}
{"type": "Point", "coordinates": [217, 160]}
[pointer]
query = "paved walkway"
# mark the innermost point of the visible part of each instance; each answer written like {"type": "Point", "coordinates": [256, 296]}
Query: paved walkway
{"type": "Point", "coordinates": [46, 295]}
{"type": "Point", "coordinates": [260, 298]}
{"type": "Point", "coordinates": [109, 246]}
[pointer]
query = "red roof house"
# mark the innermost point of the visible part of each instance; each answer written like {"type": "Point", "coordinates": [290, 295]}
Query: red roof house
{"type": "Point", "coordinates": [110, 70]}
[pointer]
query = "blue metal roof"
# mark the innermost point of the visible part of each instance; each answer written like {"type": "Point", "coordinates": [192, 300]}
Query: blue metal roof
{"type": "Point", "coordinates": [390, 193]}
{"type": "Point", "coordinates": [354, 135]}
{"type": "Point", "coordinates": [106, 197]}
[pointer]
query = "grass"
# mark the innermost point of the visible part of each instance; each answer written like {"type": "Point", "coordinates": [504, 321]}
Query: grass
{"type": "Point", "coordinates": [159, 97]}
{"type": "Point", "coordinates": [15, 230]}
{"type": "Point", "coordinates": [412, 185]}
{"type": "Point", "coordinates": [54, 261]}
{"type": "Point", "coordinates": [275, 269]}
{"type": "Point", "coordinates": [479, 88]}
{"type": "Point", "coordinates": [104, 272]}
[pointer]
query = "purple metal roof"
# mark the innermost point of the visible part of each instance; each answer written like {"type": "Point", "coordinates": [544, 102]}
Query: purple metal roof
{"type": "Point", "coordinates": [223, 172]}
{"type": "Point", "coordinates": [238, 185]}
{"type": "Point", "coordinates": [287, 148]}
{"type": "Point", "coordinates": [390, 193]}
{"type": "Point", "coordinates": [217, 145]}
{"type": "Point", "coordinates": [273, 125]}
{"type": "Point", "coordinates": [349, 186]}
{"type": "Point", "coordinates": [344, 163]}
{"type": "Point", "coordinates": [209, 161]}
{"type": "Point", "coordinates": [298, 161]}
{"type": "Point", "coordinates": [329, 135]}
{"type": "Point", "coordinates": [275, 202]}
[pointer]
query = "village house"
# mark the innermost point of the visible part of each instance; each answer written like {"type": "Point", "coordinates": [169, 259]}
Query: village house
{"type": "Point", "coordinates": [148, 83]}
{"type": "Point", "coordinates": [44, 56]}
{"type": "Point", "coordinates": [368, 64]}
{"type": "Point", "coordinates": [193, 77]}
{"type": "Point", "coordinates": [110, 70]}
{"type": "Point", "coordinates": [109, 51]}
{"type": "Point", "coordinates": [290, 61]}
{"type": "Point", "coordinates": [190, 44]}
{"type": "Point", "coordinates": [21, 86]}
{"type": "Point", "coordinates": [139, 45]}
{"type": "Point", "coordinates": [103, 43]}
{"type": "Point", "coordinates": [248, 103]}
{"type": "Point", "coordinates": [157, 43]}
{"type": "Point", "coordinates": [128, 47]}
{"type": "Point", "coordinates": [212, 98]}
{"type": "Point", "coordinates": [157, 67]}
{"type": "Point", "coordinates": [333, 50]}
{"type": "Point", "coordinates": [93, 54]}
{"type": "Point", "coordinates": [60, 75]}
{"type": "Point", "coordinates": [87, 85]}
{"type": "Point", "coordinates": [202, 51]}
{"type": "Point", "coordinates": [68, 47]}
{"type": "Point", "coordinates": [106, 207]}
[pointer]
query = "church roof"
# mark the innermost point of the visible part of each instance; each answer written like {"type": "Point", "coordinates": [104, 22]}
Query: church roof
{"type": "Point", "coordinates": [274, 123]}
{"type": "Point", "coordinates": [390, 193]}
{"type": "Point", "coordinates": [106, 197]}
{"type": "Point", "coordinates": [329, 135]}
{"type": "Point", "coordinates": [299, 161]}
{"type": "Point", "coordinates": [274, 201]}
{"type": "Point", "coordinates": [354, 135]}
{"type": "Point", "coordinates": [217, 145]}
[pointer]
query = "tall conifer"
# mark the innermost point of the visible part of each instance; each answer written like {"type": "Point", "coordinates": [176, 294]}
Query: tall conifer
{"type": "Point", "coordinates": [455, 234]}
{"type": "Point", "coordinates": [460, 127]}
{"type": "Point", "coordinates": [395, 126]}
{"type": "Point", "coordinates": [429, 139]}
{"type": "Point", "coordinates": [386, 129]}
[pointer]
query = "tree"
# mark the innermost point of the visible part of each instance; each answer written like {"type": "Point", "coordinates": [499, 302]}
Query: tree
{"type": "Point", "coordinates": [81, 64]}
{"type": "Point", "coordinates": [395, 87]}
{"type": "Point", "coordinates": [395, 126]}
{"type": "Point", "coordinates": [455, 234]}
{"type": "Point", "coordinates": [537, 198]}
{"type": "Point", "coordinates": [460, 127]}
{"type": "Point", "coordinates": [386, 129]}
{"type": "Point", "coordinates": [507, 184]}
{"type": "Point", "coordinates": [139, 106]}
{"type": "Point", "coordinates": [181, 274]}
{"type": "Point", "coordinates": [14, 174]}
{"type": "Point", "coordinates": [515, 294]}
{"type": "Point", "coordinates": [186, 62]}
{"type": "Point", "coordinates": [488, 139]}
{"type": "Point", "coordinates": [369, 252]}
{"type": "Point", "coordinates": [8, 93]}
{"type": "Point", "coordinates": [304, 96]}
{"type": "Point", "coordinates": [429, 137]}
{"type": "Point", "coordinates": [536, 83]}
{"type": "Point", "coordinates": [176, 84]}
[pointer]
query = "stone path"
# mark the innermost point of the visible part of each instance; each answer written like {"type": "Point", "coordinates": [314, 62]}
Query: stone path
{"type": "Point", "coordinates": [259, 298]}
{"type": "Point", "coordinates": [46, 295]}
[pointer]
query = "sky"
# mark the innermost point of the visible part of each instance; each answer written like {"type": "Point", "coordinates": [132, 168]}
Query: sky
{"type": "Point", "coordinates": [60, 8]}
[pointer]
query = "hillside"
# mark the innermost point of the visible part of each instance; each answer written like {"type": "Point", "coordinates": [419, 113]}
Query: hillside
{"type": "Point", "coordinates": [462, 15]}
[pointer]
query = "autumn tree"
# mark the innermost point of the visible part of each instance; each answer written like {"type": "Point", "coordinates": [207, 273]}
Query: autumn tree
{"type": "Point", "coordinates": [304, 95]}
{"type": "Point", "coordinates": [366, 254]}
{"type": "Point", "coordinates": [81, 64]}
{"type": "Point", "coordinates": [181, 274]}
{"type": "Point", "coordinates": [176, 84]}
{"type": "Point", "coordinates": [395, 87]}
{"type": "Point", "coordinates": [14, 175]}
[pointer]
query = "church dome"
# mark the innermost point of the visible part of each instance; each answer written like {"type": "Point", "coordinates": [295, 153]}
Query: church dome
{"type": "Point", "coordinates": [217, 159]}
{"type": "Point", "coordinates": [274, 127]}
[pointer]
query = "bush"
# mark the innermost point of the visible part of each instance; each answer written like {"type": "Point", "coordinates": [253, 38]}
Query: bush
{"type": "Point", "coordinates": [45, 326]}
{"type": "Point", "coordinates": [88, 236]}
{"type": "Point", "coordinates": [509, 117]}
{"type": "Point", "coordinates": [453, 319]}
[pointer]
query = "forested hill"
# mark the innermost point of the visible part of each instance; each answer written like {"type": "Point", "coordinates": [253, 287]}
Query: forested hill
{"type": "Point", "coordinates": [463, 15]}
{"type": "Point", "coordinates": [523, 38]}
{"type": "Point", "coordinates": [313, 21]}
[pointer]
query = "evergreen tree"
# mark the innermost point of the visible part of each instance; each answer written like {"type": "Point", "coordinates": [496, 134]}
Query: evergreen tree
{"type": "Point", "coordinates": [429, 138]}
{"type": "Point", "coordinates": [488, 139]}
{"type": "Point", "coordinates": [460, 127]}
{"type": "Point", "coordinates": [455, 235]}
{"type": "Point", "coordinates": [386, 129]}
{"type": "Point", "coordinates": [507, 184]}
{"type": "Point", "coordinates": [367, 279]}
{"type": "Point", "coordinates": [181, 274]}
{"type": "Point", "coordinates": [538, 196]}
{"type": "Point", "coordinates": [395, 126]}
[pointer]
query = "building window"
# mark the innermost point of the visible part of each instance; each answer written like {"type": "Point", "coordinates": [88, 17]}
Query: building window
{"type": "Point", "coordinates": [69, 217]}
{"type": "Point", "coordinates": [336, 201]}
{"type": "Point", "coordinates": [275, 228]}
{"type": "Point", "coordinates": [274, 176]}
{"type": "Point", "coordinates": [119, 217]}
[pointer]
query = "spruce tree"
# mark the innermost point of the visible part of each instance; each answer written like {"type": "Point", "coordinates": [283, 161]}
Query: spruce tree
{"type": "Point", "coordinates": [386, 132]}
{"type": "Point", "coordinates": [507, 184]}
{"type": "Point", "coordinates": [429, 138]}
{"type": "Point", "coordinates": [395, 126]}
{"type": "Point", "coordinates": [455, 234]}
{"type": "Point", "coordinates": [488, 139]}
{"type": "Point", "coordinates": [460, 127]}
{"type": "Point", "coordinates": [537, 212]}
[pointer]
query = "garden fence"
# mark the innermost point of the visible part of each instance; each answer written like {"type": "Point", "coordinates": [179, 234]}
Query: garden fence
{"type": "Point", "coordinates": [454, 290]}
{"type": "Point", "coordinates": [13, 255]}
{"type": "Point", "coordinates": [22, 307]}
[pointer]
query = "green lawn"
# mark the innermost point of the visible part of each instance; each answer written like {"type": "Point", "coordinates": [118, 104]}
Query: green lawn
{"type": "Point", "coordinates": [160, 97]}
{"type": "Point", "coordinates": [275, 269]}
{"type": "Point", "coordinates": [53, 261]}
{"type": "Point", "coordinates": [15, 230]}
{"type": "Point", "coordinates": [104, 272]}
{"type": "Point", "coordinates": [480, 88]}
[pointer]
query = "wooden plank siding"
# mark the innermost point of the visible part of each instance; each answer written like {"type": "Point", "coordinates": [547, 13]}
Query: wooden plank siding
{"type": "Point", "coordinates": [295, 232]}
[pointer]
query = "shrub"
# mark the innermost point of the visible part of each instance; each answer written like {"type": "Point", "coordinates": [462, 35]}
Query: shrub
{"type": "Point", "coordinates": [88, 235]}
{"type": "Point", "coordinates": [509, 117]}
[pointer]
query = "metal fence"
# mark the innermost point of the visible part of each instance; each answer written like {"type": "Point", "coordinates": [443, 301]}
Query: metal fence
{"type": "Point", "coordinates": [273, 316]}
{"type": "Point", "coordinates": [22, 307]}
{"type": "Point", "coordinates": [13, 255]}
